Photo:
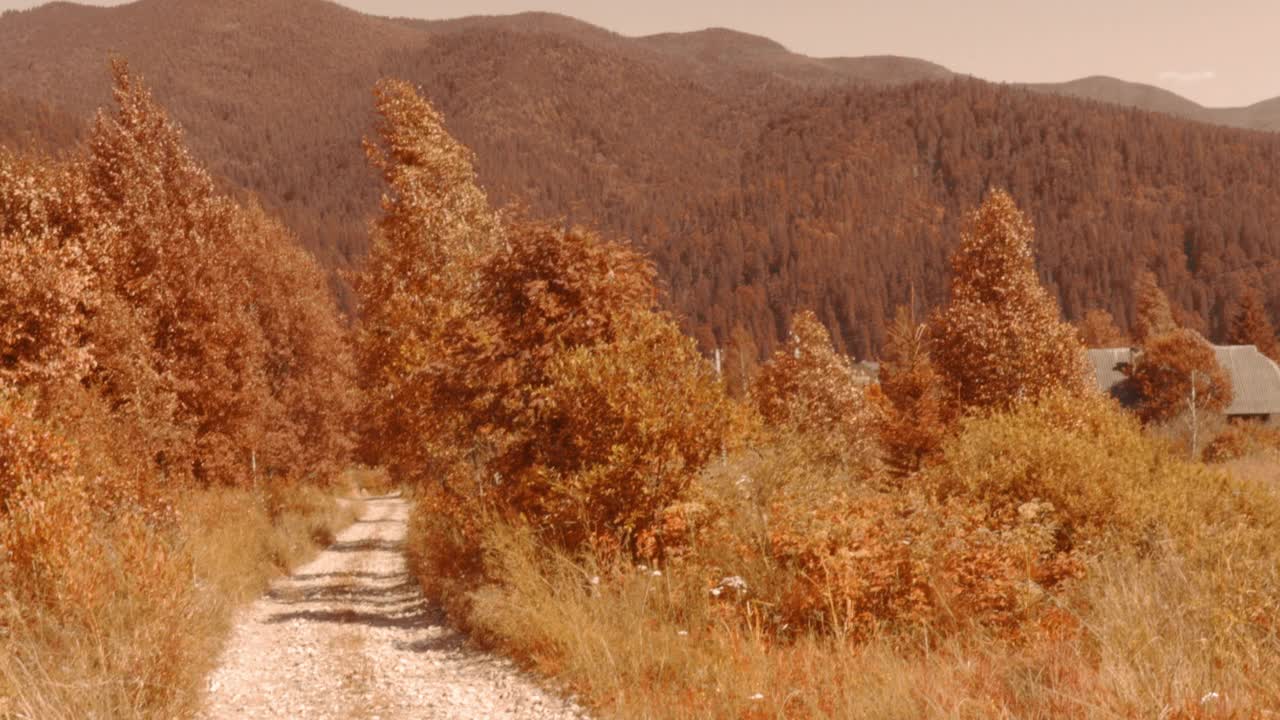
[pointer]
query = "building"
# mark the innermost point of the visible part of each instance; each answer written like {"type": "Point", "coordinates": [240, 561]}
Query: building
{"type": "Point", "coordinates": [1254, 377]}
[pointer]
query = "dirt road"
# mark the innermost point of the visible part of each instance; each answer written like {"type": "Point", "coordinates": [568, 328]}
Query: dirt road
{"type": "Point", "coordinates": [350, 636]}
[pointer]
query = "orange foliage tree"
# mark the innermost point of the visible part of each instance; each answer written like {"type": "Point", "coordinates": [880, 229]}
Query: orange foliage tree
{"type": "Point", "coordinates": [915, 412]}
{"type": "Point", "coordinates": [516, 365]}
{"type": "Point", "coordinates": [1000, 339]}
{"type": "Point", "coordinates": [166, 246]}
{"type": "Point", "coordinates": [623, 426]}
{"type": "Point", "coordinates": [45, 280]}
{"type": "Point", "coordinates": [1098, 329]}
{"type": "Point", "coordinates": [417, 290]}
{"type": "Point", "coordinates": [1250, 325]}
{"type": "Point", "coordinates": [1177, 374]}
{"type": "Point", "coordinates": [193, 333]}
{"type": "Point", "coordinates": [308, 364]}
{"type": "Point", "coordinates": [810, 389]}
{"type": "Point", "coordinates": [603, 411]}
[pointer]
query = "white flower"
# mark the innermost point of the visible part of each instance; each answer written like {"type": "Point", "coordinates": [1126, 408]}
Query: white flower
{"type": "Point", "coordinates": [1209, 697]}
{"type": "Point", "coordinates": [758, 696]}
{"type": "Point", "coordinates": [656, 573]}
{"type": "Point", "coordinates": [682, 633]}
{"type": "Point", "coordinates": [715, 592]}
{"type": "Point", "coordinates": [595, 579]}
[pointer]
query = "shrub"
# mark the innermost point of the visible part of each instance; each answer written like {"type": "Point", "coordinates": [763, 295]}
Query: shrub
{"type": "Point", "coordinates": [621, 429]}
{"type": "Point", "coordinates": [1109, 483]}
{"type": "Point", "coordinates": [1230, 444]}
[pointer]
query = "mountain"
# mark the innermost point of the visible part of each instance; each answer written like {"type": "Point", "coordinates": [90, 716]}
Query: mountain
{"type": "Point", "coordinates": [761, 181]}
{"type": "Point", "coordinates": [1260, 116]}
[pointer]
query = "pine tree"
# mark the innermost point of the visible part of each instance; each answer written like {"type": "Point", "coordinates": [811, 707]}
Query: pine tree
{"type": "Point", "coordinates": [916, 414]}
{"type": "Point", "coordinates": [1250, 325]}
{"type": "Point", "coordinates": [1153, 313]}
{"type": "Point", "coordinates": [810, 389]}
{"type": "Point", "coordinates": [1001, 339]}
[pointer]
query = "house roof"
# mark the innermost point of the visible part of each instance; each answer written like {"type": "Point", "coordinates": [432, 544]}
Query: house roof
{"type": "Point", "coordinates": [1254, 377]}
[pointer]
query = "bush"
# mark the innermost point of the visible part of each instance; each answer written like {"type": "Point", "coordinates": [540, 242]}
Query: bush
{"type": "Point", "coordinates": [622, 428]}
{"type": "Point", "coordinates": [1109, 483]}
{"type": "Point", "coordinates": [1230, 444]}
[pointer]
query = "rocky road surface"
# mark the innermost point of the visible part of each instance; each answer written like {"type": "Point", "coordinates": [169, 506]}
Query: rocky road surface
{"type": "Point", "coordinates": [350, 636]}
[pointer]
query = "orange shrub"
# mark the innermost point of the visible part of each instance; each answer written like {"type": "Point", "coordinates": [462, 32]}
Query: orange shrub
{"type": "Point", "coordinates": [1109, 483]}
{"type": "Point", "coordinates": [885, 562]}
{"type": "Point", "coordinates": [1230, 444]}
{"type": "Point", "coordinates": [622, 428]}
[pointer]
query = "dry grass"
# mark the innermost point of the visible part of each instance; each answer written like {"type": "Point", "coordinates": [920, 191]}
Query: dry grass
{"type": "Point", "coordinates": [144, 651]}
{"type": "Point", "coordinates": [1146, 638]}
{"type": "Point", "coordinates": [1182, 628]}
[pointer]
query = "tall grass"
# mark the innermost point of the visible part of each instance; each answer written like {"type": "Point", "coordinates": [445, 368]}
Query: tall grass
{"type": "Point", "coordinates": [142, 653]}
{"type": "Point", "coordinates": [1171, 613]}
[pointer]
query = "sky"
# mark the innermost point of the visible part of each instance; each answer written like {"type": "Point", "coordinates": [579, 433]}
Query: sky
{"type": "Point", "coordinates": [1218, 54]}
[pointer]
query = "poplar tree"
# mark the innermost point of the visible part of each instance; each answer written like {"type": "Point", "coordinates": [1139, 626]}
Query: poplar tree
{"type": "Point", "coordinates": [418, 290]}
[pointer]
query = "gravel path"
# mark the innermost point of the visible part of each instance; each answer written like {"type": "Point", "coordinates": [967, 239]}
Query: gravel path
{"type": "Point", "coordinates": [351, 636]}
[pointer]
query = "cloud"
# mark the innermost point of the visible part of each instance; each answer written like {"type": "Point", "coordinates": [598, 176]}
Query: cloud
{"type": "Point", "coordinates": [1194, 76]}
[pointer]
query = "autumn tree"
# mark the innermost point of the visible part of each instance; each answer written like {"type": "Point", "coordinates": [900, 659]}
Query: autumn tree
{"type": "Point", "coordinates": [1098, 329]}
{"type": "Point", "coordinates": [547, 290]}
{"type": "Point", "coordinates": [810, 389]}
{"type": "Point", "coordinates": [1153, 313]}
{"type": "Point", "coordinates": [915, 413]}
{"type": "Point", "coordinates": [144, 306]}
{"type": "Point", "coordinates": [1176, 375]}
{"type": "Point", "coordinates": [418, 289]}
{"type": "Point", "coordinates": [308, 364]}
{"type": "Point", "coordinates": [1250, 325]}
{"type": "Point", "coordinates": [46, 283]}
{"type": "Point", "coordinates": [1000, 339]}
{"type": "Point", "coordinates": [177, 345]}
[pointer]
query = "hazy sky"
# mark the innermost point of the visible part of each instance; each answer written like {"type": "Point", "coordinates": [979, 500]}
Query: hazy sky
{"type": "Point", "coordinates": [1216, 53]}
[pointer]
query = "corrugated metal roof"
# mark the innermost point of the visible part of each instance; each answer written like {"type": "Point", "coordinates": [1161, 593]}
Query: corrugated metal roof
{"type": "Point", "coordinates": [1254, 377]}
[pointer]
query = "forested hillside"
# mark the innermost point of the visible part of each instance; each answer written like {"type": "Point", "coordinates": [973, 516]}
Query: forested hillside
{"type": "Point", "coordinates": [761, 181]}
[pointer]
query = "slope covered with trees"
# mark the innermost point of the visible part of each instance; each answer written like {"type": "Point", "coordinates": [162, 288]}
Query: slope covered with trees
{"type": "Point", "coordinates": [761, 182]}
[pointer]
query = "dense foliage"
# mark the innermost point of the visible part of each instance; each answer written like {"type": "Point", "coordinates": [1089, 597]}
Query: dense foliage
{"type": "Point", "coordinates": [157, 339]}
{"type": "Point", "coordinates": [517, 366]}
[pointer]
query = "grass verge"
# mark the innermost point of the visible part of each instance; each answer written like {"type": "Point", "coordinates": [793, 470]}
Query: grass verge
{"type": "Point", "coordinates": [140, 645]}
